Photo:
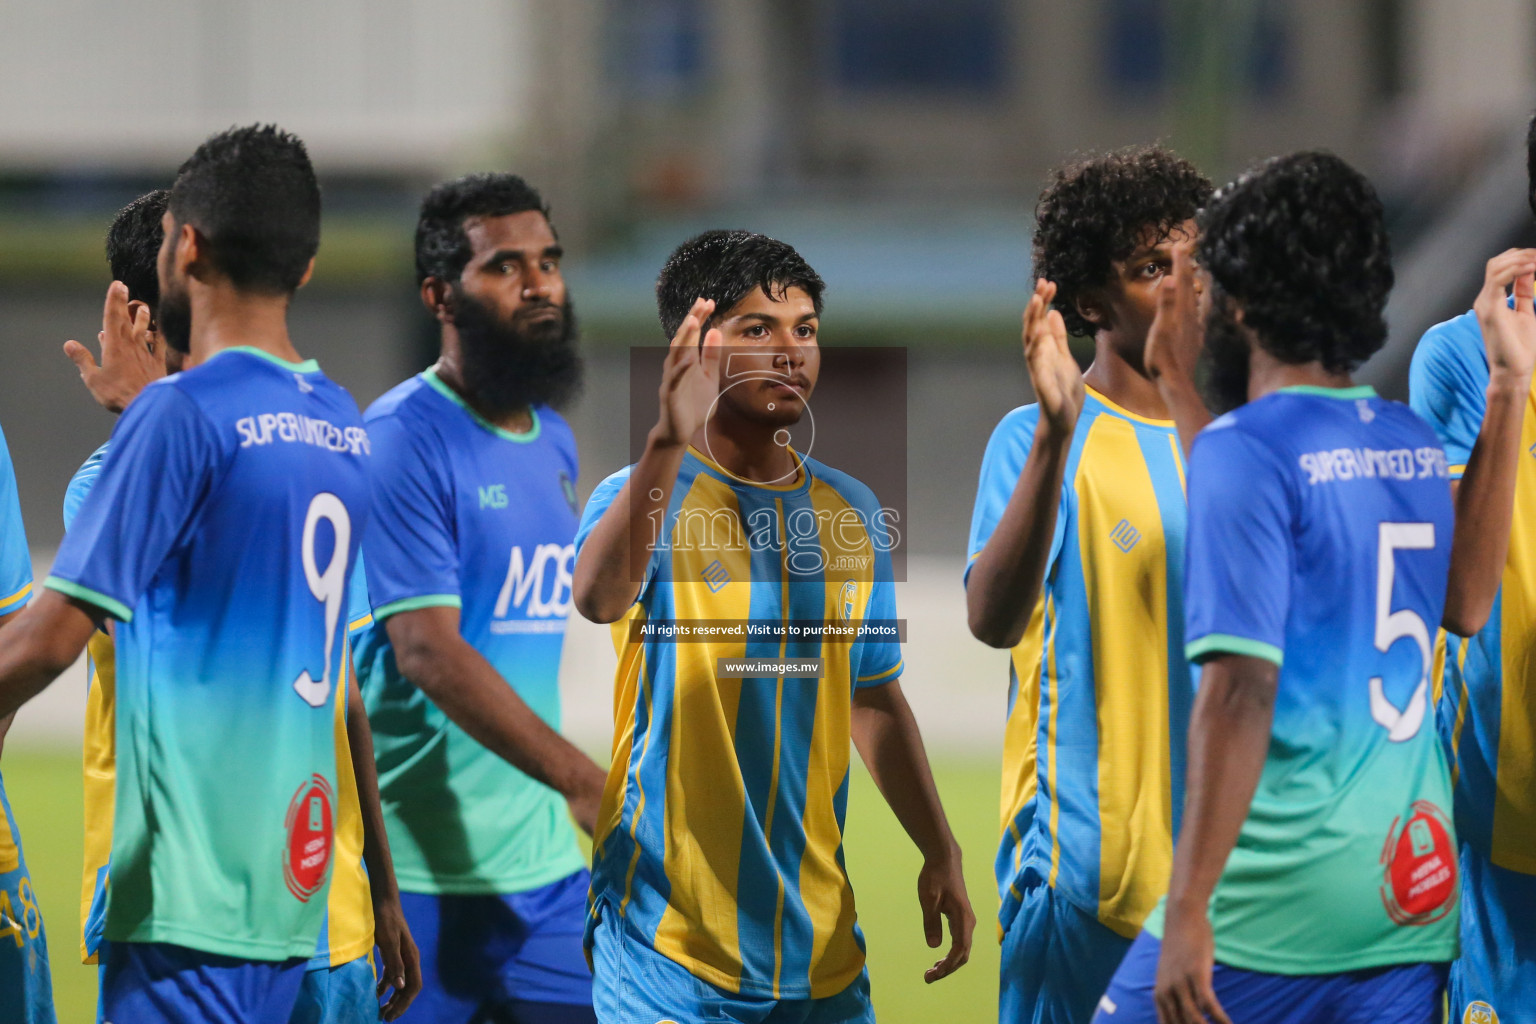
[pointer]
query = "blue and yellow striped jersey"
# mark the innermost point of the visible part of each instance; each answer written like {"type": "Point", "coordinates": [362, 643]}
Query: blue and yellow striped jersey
{"type": "Point", "coordinates": [1487, 711]}
{"type": "Point", "coordinates": [1100, 692]}
{"type": "Point", "coordinates": [720, 833]}
{"type": "Point", "coordinates": [347, 932]}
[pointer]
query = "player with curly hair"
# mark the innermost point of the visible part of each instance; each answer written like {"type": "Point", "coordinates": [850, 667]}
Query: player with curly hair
{"type": "Point", "coordinates": [1315, 877]}
{"type": "Point", "coordinates": [1076, 564]}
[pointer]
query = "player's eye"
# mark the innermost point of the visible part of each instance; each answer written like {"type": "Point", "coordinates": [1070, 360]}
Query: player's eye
{"type": "Point", "coordinates": [757, 331]}
{"type": "Point", "coordinates": [508, 267]}
{"type": "Point", "coordinates": [549, 266]}
{"type": "Point", "coordinates": [805, 332]}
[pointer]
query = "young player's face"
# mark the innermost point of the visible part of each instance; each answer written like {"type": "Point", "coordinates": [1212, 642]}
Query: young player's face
{"type": "Point", "coordinates": [771, 356]}
{"type": "Point", "coordinates": [515, 270]}
{"type": "Point", "coordinates": [1131, 297]}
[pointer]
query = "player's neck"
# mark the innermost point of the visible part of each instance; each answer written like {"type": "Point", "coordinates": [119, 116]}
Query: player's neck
{"type": "Point", "coordinates": [223, 318]}
{"type": "Point", "coordinates": [450, 372]}
{"type": "Point", "coordinates": [747, 451]}
{"type": "Point", "coordinates": [1128, 386]}
{"type": "Point", "coordinates": [1266, 375]}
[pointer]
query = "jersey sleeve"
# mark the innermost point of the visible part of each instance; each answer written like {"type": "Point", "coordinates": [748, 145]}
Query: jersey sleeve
{"type": "Point", "coordinates": [1239, 554]}
{"type": "Point", "coordinates": [81, 483]}
{"type": "Point", "coordinates": [602, 498]}
{"type": "Point", "coordinates": [1001, 465]}
{"type": "Point", "coordinates": [164, 458]}
{"type": "Point", "coordinates": [15, 556]}
{"type": "Point", "coordinates": [1447, 386]}
{"type": "Point", "coordinates": [409, 550]}
{"type": "Point", "coordinates": [359, 611]}
{"type": "Point", "coordinates": [878, 658]}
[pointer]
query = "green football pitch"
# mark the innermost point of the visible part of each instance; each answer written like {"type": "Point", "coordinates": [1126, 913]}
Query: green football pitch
{"type": "Point", "coordinates": [44, 789]}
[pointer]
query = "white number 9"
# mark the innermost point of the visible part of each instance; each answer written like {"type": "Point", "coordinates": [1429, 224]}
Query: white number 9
{"type": "Point", "coordinates": [1401, 723]}
{"type": "Point", "coordinates": [328, 587]}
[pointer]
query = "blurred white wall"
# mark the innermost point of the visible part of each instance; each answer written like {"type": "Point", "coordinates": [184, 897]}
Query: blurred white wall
{"type": "Point", "coordinates": [377, 84]}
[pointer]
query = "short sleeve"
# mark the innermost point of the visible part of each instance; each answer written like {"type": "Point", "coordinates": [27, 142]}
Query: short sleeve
{"type": "Point", "coordinates": [602, 497]}
{"type": "Point", "coordinates": [1239, 557]}
{"type": "Point", "coordinates": [877, 658]}
{"type": "Point", "coordinates": [15, 557]}
{"type": "Point", "coordinates": [1448, 385]}
{"type": "Point", "coordinates": [164, 457]}
{"type": "Point", "coordinates": [410, 552]}
{"type": "Point", "coordinates": [359, 612]}
{"type": "Point", "coordinates": [81, 483]}
{"type": "Point", "coordinates": [1001, 465]}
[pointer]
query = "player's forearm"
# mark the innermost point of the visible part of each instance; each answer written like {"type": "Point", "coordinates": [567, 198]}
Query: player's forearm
{"type": "Point", "coordinates": [886, 735]}
{"type": "Point", "coordinates": [38, 644]}
{"type": "Point", "coordinates": [613, 560]}
{"type": "Point", "coordinates": [376, 855]}
{"type": "Point", "coordinates": [1186, 407]}
{"type": "Point", "coordinates": [1485, 504]}
{"type": "Point", "coordinates": [1228, 742]}
{"type": "Point", "coordinates": [1005, 580]}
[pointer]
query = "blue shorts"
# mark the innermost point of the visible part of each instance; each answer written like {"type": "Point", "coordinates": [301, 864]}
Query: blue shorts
{"type": "Point", "coordinates": [1399, 994]}
{"type": "Point", "coordinates": [514, 957]}
{"type": "Point", "coordinates": [155, 981]}
{"type": "Point", "coordinates": [1496, 973]}
{"type": "Point", "coordinates": [338, 995]}
{"type": "Point", "coordinates": [26, 986]}
{"type": "Point", "coordinates": [634, 984]}
{"type": "Point", "coordinates": [1057, 961]}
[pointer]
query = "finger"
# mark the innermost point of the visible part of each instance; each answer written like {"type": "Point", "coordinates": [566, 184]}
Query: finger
{"type": "Point", "coordinates": [81, 357]}
{"type": "Point", "coordinates": [1210, 1007]}
{"type": "Point", "coordinates": [1504, 268]}
{"type": "Point", "coordinates": [1058, 331]}
{"type": "Point", "coordinates": [1523, 285]}
{"type": "Point", "coordinates": [714, 348]}
{"type": "Point", "coordinates": [114, 312]}
{"type": "Point", "coordinates": [933, 926]}
{"type": "Point", "coordinates": [141, 326]}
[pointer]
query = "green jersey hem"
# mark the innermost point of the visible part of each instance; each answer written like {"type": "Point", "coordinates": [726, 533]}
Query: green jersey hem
{"type": "Point", "coordinates": [532, 434]}
{"type": "Point", "coordinates": [1225, 643]}
{"type": "Point", "coordinates": [1272, 962]}
{"type": "Point", "coordinates": [307, 366]}
{"type": "Point", "coordinates": [410, 604]}
{"type": "Point", "coordinates": [111, 606]}
{"type": "Point", "coordinates": [1358, 391]}
{"type": "Point", "coordinates": [426, 884]}
{"type": "Point", "coordinates": [222, 945]}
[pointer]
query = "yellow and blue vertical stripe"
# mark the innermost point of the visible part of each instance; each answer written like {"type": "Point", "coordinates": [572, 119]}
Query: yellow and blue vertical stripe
{"type": "Point", "coordinates": [1100, 693]}
{"type": "Point", "coordinates": [721, 830]}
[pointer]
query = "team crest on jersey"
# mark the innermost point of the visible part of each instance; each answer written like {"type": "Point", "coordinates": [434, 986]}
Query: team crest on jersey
{"type": "Point", "coordinates": [1479, 1012]}
{"type": "Point", "coordinates": [846, 599]}
{"type": "Point", "coordinates": [1419, 861]}
{"type": "Point", "coordinates": [1125, 535]}
{"type": "Point", "coordinates": [311, 836]}
{"type": "Point", "coordinates": [568, 489]}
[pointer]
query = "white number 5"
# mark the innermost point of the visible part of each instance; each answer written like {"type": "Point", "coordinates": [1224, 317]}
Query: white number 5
{"type": "Point", "coordinates": [1401, 723]}
{"type": "Point", "coordinates": [328, 587]}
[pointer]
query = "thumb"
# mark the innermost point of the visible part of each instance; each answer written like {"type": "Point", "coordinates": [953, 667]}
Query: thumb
{"type": "Point", "coordinates": [80, 356]}
{"type": "Point", "coordinates": [933, 926]}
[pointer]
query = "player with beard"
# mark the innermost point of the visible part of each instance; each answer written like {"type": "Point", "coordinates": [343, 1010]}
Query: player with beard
{"type": "Point", "coordinates": [1315, 876]}
{"type": "Point", "coordinates": [363, 906]}
{"type": "Point", "coordinates": [719, 890]}
{"type": "Point", "coordinates": [468, 570]}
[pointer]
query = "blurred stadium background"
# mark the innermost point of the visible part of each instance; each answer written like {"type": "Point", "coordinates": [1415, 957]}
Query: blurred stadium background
{"type": "Point", "coordinates": [899, 144]}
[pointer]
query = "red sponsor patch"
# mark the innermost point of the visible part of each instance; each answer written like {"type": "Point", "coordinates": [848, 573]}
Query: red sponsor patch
{"type": "Point", "coordinates": [1419, 858]}
{"type": "Point", "coordinates": [311, 835]}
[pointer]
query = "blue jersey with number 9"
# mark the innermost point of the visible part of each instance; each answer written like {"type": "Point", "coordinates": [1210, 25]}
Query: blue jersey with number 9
{"type": "Point", "coordinates": [221, 536]}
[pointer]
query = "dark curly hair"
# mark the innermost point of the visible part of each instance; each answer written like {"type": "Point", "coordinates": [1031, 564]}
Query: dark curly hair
{"type": "Point", "coordinates": [252, 194]}
{"type": "Point", "coordinates": [726, 266]}
{"type": "Point", "coordinates": [1097, 211]}
{"type": "Point", "coordinates": [133, 245]}
{"type": "Point", "coordinates": [442, 247]}
{"type": "Point", "coordinates": [1300, 243]}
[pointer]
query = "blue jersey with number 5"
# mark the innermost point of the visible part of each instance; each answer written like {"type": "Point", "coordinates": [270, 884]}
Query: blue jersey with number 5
{"type": "Point", "coordinates": [1319, 539]}
{"type": "Point", "coordinates": [220, 536]}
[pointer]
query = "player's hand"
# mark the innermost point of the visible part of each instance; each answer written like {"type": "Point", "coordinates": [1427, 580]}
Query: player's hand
{"type": "Point", "coordinates": [129, 356]}
{"type": "Point", "coordinates": [1176, 337]}
{"type": "Point", "coordinates": [690, 378]}
{"type": "Point", "coordinates": [399, 962]}
{"type": "Point", "coordinates": [941, 892]}
{"type": "Point", "coordinates": [1183, 992]}
{"type": "Point", "coordinates": [1509, 334]}
{"type": "Point", "coordinates": [1054, 374]}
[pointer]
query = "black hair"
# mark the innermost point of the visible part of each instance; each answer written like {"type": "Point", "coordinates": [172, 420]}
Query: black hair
{"type": "Point", "coordinates": [133, 245]}
{"type": "Point", "coordinates": [1098, 210]}
{"type": "Point", "coordinates": [1530, 164]}
{"type": "Point", "coordinates": [442, 246]}
{"type": "Point", "coordinates": [726, 266]}
{"type": "Point", "coordinates": [1300, 243]}
{"type": "Point", "coordinates": [251, 192]}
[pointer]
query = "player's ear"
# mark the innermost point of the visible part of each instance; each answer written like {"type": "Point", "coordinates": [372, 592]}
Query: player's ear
{"type": "Point", "coordinates": [436, 296]}
{"type": "Point", "coordinates": [1087, 306]}
{"type": "Point", "coordinates": [188, 253]}
{"type": "Point", "coordinates": [308, 273]}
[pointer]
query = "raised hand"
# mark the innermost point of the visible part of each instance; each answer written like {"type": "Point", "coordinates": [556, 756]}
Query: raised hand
{"type": "Point", "coordinates": [1509, 333]}
{"type": "Point", "coordinates": [1053, 373]}
{"type": "Point", "coordinates": [690, 377]}
{"type": "Point", "coordinates": [129, 357]}
{"type": "Point", "coordinates": [1177, 335]}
